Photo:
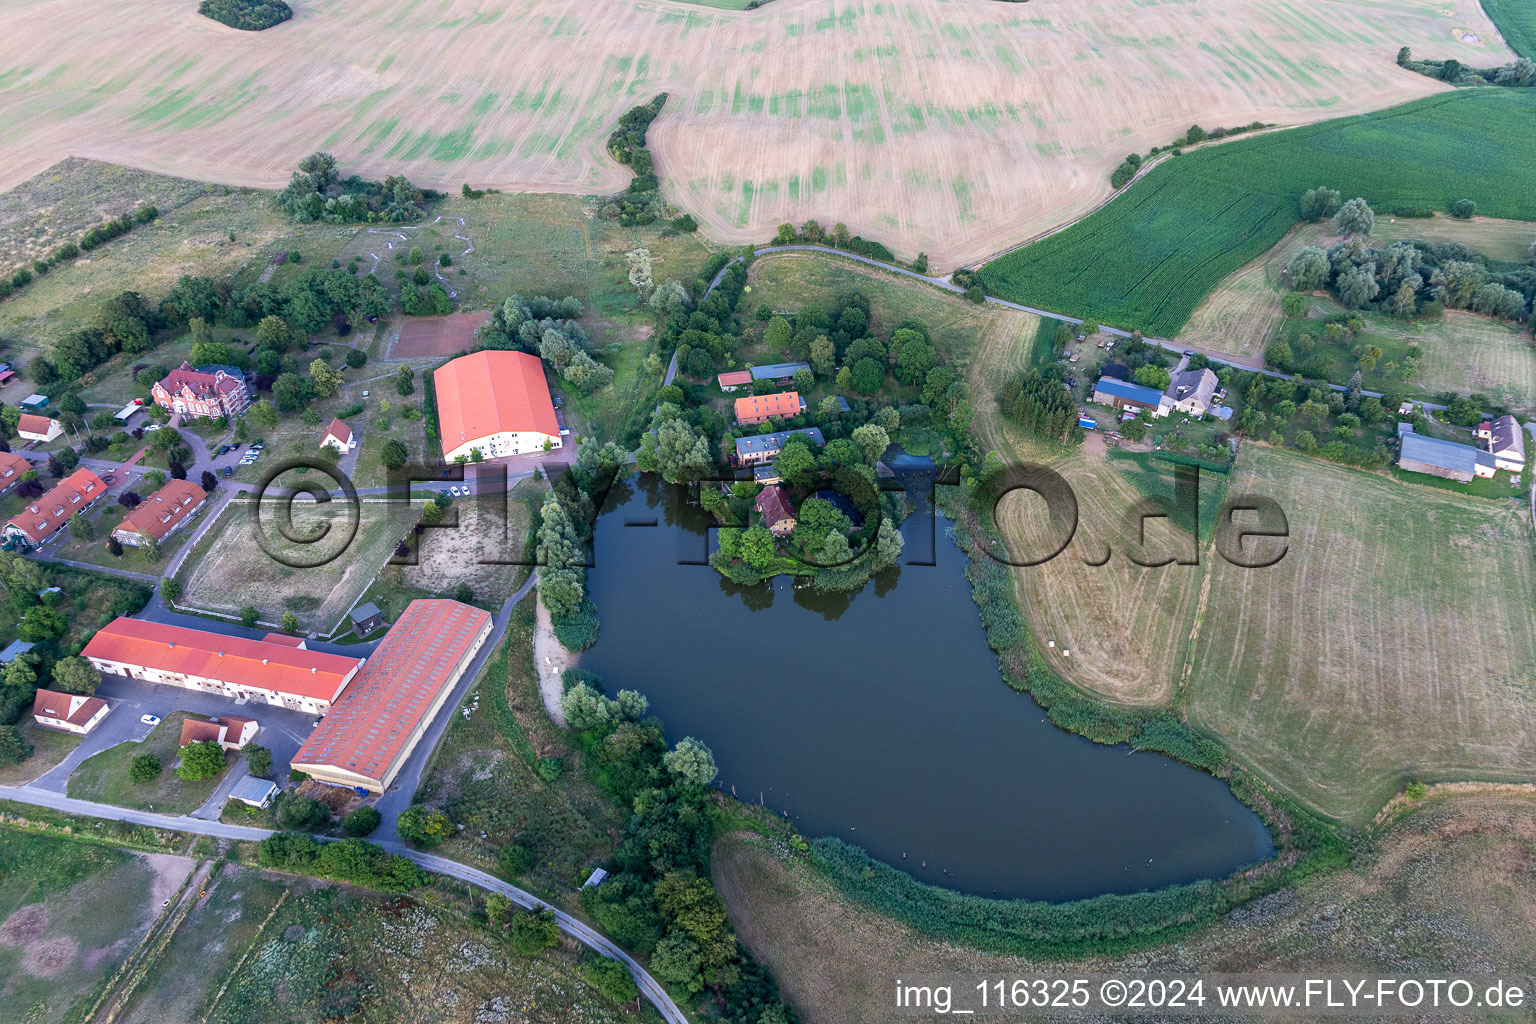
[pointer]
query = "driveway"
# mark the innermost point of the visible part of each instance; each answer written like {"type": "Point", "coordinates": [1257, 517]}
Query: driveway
{"type": "Point", "coordinates": [120, 726]}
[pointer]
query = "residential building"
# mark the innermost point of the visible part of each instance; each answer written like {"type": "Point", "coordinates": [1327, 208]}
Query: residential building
{"type": "Point", "coordinates": [161, 514]}
{"type": "Point", "coordinates": [1190, 391]}
{"type": "Point", "coordinates": [231, 732]}
{"type": "Point", "coordinates": [372, 729]}
{"type": "Point", "coordinates": [497, 402]}
{"type": "Point", "coordinates": [32, 427]}
{"type": "Point", "coordinates": [763, 448]}
{"type": "Point", "coordinates": [1126, 396]}
{"type": "Point", "coordinates": [210, 391]}
{"type": "Point", "coordinates": [253, 791]}
{"type": "Point", "coordinates": [778, 373]}
{"type": "Point", "coordinates": [1418, 453]}
{"type": "Point", "coordinates": [232, 666]}
{"type": "Point", "coordinates": [1505, 439]}
{"type": "Point", "coordinates": [44, 517]}
{"type": "Point", "coordinates": [68, 712]}
{"type": "Point", "coordinates": [366, 618]}
{"type": "Point", "coordinates": [339, 436]}
{"type": "Point", "coordinates": [12, 466]}
{"type": "Point", "coordinates": [777, 511]}
{"type": "Point", "coordinates": [733, 379]}
{"type": "Point", "coordinates": [760, 408]}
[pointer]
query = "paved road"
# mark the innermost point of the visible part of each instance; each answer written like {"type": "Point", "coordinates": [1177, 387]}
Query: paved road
{"type": "Point", "coordinates": [577, 929]}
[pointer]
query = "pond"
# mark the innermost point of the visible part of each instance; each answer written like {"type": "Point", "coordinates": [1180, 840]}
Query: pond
{"type": "Point", "coordinates": [882, 718]}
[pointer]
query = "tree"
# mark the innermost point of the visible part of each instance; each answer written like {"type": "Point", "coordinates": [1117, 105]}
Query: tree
{"type": "Point", "coordinates": [1294, 304]}
{"type": "Point", "coordinates": [514, 861]}
{"type": "Point", "coordinates": [40, 623]}
{"type": "Point", "coordinates": [76, 675]}
{"type": "Point", "coordinates": [361, 821]}
{"type": "Point", "coordinates": [431, 513]}
{"type": "Point", "coordinates": [1320, 202]}
{"type": "Point", "coordinates": [423, 827]}
{"type": "Point", "coordinates": [1308, 269]}
{"type": "Point", "coordinates": [248, 615]}
{"type": "Point", "coordinates": [290, 393]}
{"type": "Point", "coordinates": [611, 978]}
{"type": "Point", "coordinates": [80, 527]}
{"type": "Point", "coordinates": [405, 381]}
{"type": "Point", "coordinates": [692, 761]}
{"type": "Point", "coordinates": [1463, 209]}
{"type": "Point", "coordinates": [201, 761]}
{"type": "Point", "coordinates": [872, 441]}
{"type": "Point", "coordinates": [674, 449]}
{"type": "Point", "coordinates": [1404, 301]}
{"type": "Point", "coordinates": [265, 414]}
{"type": "Point", "coordinates": [356, 357]}
{"type": "Point", "coordinates": [795, 463]}
{"type": "Point", "coordinates": [677, 962]}
{"type": "Point", "coordinates": [777, 334]}
{"type": "Point", "coordinates": [534, 931]}
{"type": "Point", "coordinates": [258, 760]}
{"type": "Point", "coordinates": [1155, 377]}
{"type": "Point", "coordinates": [326, 381]}
{"type": "Point", "coordinates": [114, 547]}
{"type": "Point", "coordinates": [1355, 218]}
{"type": "Point", "coordinates": [144, 768]}
{"type": "Point", "coordinates": [464, 593]}
{"type": "Point", "coordinates": [1357, 286]}
{"type": "Point", "coordinates": [170, 589]}
{"type": "Point", "coordinates": [290, 622]}
{"type": "Point", "coordinates": [274, 333]}
{"type": "Point", "coordinates": [296, 812]}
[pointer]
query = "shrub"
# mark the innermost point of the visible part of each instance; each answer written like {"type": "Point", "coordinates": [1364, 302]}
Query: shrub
{"type": "Point", "coordinates": [201, 761]}
{"type": "Point", "coordinates": [535, 931]}
{"type": "Point", "coordinates": [611, 978]}
{"type": "Point", "coordinates": [514, 861]}
{"type": "Point", "coordinates": [423, 827]}
{"type": "Point", "coordinates": [362, 821]}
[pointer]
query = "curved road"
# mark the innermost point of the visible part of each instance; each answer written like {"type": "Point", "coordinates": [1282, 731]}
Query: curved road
{"type": "Point", "coordinates": [649, 987]}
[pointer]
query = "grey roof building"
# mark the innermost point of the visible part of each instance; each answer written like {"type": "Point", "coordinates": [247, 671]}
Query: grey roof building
{"type": "Point", "coordinates": [1191, 391]}
{"type": "Point", "coordinates": [1446, 459]}
{"type": "Point", "coordinates": [759, 448]}
{"type": "Point", "coordinates": [778, 371]}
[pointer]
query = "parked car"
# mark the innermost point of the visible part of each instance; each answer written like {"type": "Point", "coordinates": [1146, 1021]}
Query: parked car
{"type": "Point", "coordinates": [150, 428]}
{"type": "Point", "coordinates": [454, 490]}
{"type": "Point", "coordinates": [150, 719]}
{"type": "Point", "coordinates": [227, 470]}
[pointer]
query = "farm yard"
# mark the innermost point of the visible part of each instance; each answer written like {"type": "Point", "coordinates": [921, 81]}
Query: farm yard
{"type": "Point", "coordinates": [1392, 643]}
{"type": "Point", "coordinates": [922, 125]}
{"type": "Point", "coordinates": [1148, 259]}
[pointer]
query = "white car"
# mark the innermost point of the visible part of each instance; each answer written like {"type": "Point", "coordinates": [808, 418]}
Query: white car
{"type": "Point", "coordinates": [150, 719]}
{"type": "Point", "coordinates": [454, 490]}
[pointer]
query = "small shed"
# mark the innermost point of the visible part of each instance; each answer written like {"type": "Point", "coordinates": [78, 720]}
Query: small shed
{"type": "Point", "coordinates": [366, 618]}
{"type": "Point", "coordinates": [253, 791]}
{"type": "Point", "coordinates": [34, 402]}
{"type": "Point", "coordinates": [595, 878]}
{"type": "Point", "coordinates": [15, 650]}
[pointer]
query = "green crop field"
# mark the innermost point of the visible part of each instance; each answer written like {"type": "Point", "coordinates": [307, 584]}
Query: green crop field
{"type": "Point", "coordinates": [1148, 259]}
{"type": "Point", "coordinates": [1516, 20]}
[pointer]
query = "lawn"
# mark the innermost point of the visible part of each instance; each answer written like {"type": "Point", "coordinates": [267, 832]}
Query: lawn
{"type": "Point", "coordinates": [1516, 21]}
{"type": "Point", "coordinates": [49, 747]}
{"type": "Point", "coordinates": [70, 912]}
{"type": "Point", "coordinates": [331, 570]}
{"type": "Point", "coordinates": [1150, 257]}
{"type": "Point", "coordinates": [1393, 642]}
{"type": "Point", "coordinates": [104, 777]}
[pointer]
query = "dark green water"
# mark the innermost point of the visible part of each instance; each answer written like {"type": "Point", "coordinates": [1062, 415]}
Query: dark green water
{"type": "Point", "coordinates": [881, 718]}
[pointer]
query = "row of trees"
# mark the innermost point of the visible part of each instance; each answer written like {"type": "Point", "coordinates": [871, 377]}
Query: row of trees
{"type": "Point", "coordinates": [98, 235]}
{"type": "Point", "coordinates": [1519, 73]}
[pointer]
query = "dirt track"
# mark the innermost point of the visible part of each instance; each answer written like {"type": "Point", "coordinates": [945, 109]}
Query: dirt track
{"type": "Point", "coordinates": [949, 127]}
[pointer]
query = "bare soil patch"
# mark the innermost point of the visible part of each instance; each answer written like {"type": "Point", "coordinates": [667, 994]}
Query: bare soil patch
{"type": "Point", "coordinates": [25, 925]}
{"type": "Point", "coordinates": [50, 957]}
{"type": "Point", "coordinates": [422, 336]}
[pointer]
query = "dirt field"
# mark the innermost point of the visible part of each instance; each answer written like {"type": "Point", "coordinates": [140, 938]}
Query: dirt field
{"type": "Point", "coordinates": [1441, 888]}
{"type": "Point", "coordinates": [437, 335]}
{"type": "Point", "coordinates": [1393, 642]}
{"type": "Point", "coordinates": [952, 128]}
{"type": "Point", "coordinates": [489, 535]}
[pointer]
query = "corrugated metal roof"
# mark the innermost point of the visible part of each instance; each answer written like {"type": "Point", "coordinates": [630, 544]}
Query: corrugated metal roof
{"type": "Point", "coordinates": [1434, 452]}
{"type": "Point", "coordinates": [1125, 389]}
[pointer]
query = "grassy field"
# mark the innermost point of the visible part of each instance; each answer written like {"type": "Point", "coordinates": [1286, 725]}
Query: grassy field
{"type": "Point", "coordinates": [1442, 884]}
{"type": "Point", "coordinates": [1495, 238]}
{"type": "Point", "coordinates": [1148, 259]}
{"type": "Point", "coordinates": [49, 747]}
{"type": "Point", "coordinates": [926, 125]}
{"type": "Point", "coordinates": [319, 594]}
{"type": "Point", "coordinates": [104, 777]}
{"type": "Point", "coordinates": [70, 912]}
{"type": "Point", "coordinates": [1392, 643]}
{"type": "Point", "coordinates": [1516, 22]}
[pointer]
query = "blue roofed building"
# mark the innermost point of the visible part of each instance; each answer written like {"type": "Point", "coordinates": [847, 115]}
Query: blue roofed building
{"type": "Point", "coordinates": [1124, 395]}
{"type": "Point", "coordinates": [779, 373]}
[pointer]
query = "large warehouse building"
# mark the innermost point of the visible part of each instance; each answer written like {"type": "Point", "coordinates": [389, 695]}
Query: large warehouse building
{"type": "Point", "coordinates": [373, 728]}
{"type": "Point", "coordinates": [497, 402]}
{"type": "Point", "coordinates": [258, 670]}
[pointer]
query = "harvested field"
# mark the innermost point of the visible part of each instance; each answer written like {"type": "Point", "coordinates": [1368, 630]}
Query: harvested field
{"type": "Point", "coordinates": [422, 336]}
{"type": "Point", "coordinates": [1464, 352]}
{"type": "Point", "coordinates": [1495, 238]}
{"type": "Point", "coordinates": [1442, 887]}
{"type": "Point", "coordinates": [926, 125]}
{"type": "Point", "coordinates": [1393, 642]}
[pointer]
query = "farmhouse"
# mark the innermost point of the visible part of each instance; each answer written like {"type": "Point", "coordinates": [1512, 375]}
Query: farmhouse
{"type": "Point", "coordinates": [1420, 454]}
{"type": "Point", "coordinates": [68, 712]}
{"type": "Point", "coordinates": [210, 391]}
{"type": "Point", "coordinates": [1189, 391]}
{"type": "Point", "coordinates": [761, 448]}
{"type": "Point", "coordinates": [339, 437]}
{"type": "Point", "coordinates": [40, 520]}
{"type": "Point", "coordinates": [230, 732]}
{"type": "Point", "coordinates": [32, 427]}
{"type": "Point", "coordinates": [1505, 438]}
{"type": "Point", "coordinates": [778, 373]}
{"type": "Point", "coordinates": [733, 379]}
{"type": "Point", "coordinates": [161, 514]}
{"type": "Point", "coordinates": [231, 666]}
{"type": "Point", "coordinates": [11, 468]}
{"type": "Point", "coordinates": [495, 401]}
{"type": "Point", "coordinates": [777, 512]}
{"type": "Point", "coordinates": [372, 729]}
{"type": "Point", "coordinates": [760, 408]}
{"type": "Point", "coordinates": [1123, 395]}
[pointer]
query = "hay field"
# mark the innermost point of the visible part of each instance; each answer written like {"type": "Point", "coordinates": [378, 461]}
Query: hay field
{"type": "Point", "coordinates": [1494, 237]}
{"type": "Point", "coordinates": [1464, 352]}
{"type": "Point", "coordinates": [1444, 886]}
{"type": "Point", "coordinates": [1393, 642]}
{"type": "Point", "coordinates": [954, 128]}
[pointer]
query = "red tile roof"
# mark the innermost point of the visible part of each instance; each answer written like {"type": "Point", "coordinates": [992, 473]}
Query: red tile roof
{"type": "Point", "coordinates": [202, 385]}
{"type": "Point", "coordinates": [164, 510]}
{"type": "Point", "coordinates": [41, 519]}
{"type": "Point", "coordinates": [284, 639]}
{"type": "Point", "coordinates": [11, 468]}
{"type": "Point", "coordinates": [492, 391]}
{"type": "Point", "coordinates": [31, 423]}
{"type": "Point", "coordinates": [197, 730]}
{"type": "Point", "coordinates": [230, 659]}
{"type": "Point", "coordinates": [774, 505]}
{"type": "Point", "coordinates": [339, 430]}
{"type": "Point", "coordinates": [734, 378]}
{"type": "Point", "coordinates": [367, 729]}
{"type": "Point", "coordinates": [760, 407]}
{"type": "Point", "coordinates": [53, 704]}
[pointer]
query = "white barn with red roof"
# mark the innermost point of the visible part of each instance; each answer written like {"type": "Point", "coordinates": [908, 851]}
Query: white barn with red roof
{"type": "Point", "coordinates": [495, 401]}
{"type": "Point", "coordinates": [339, 436]}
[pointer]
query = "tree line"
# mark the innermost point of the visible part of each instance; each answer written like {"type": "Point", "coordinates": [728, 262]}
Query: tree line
{"type": "Point", "coordinates": [102, 233]}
